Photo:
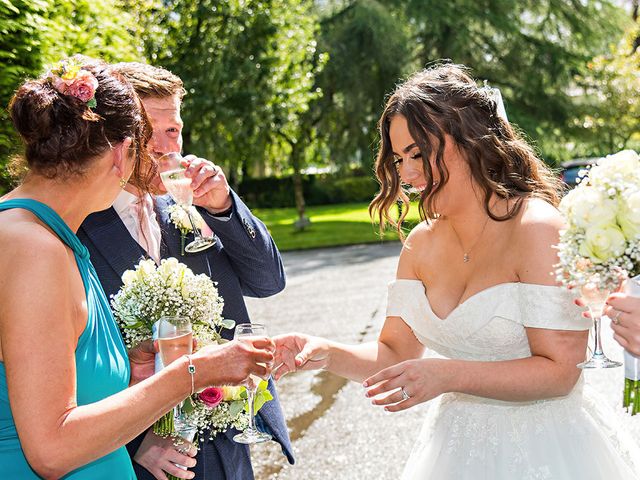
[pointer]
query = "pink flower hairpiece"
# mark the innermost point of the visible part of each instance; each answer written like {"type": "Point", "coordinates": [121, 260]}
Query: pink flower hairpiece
{"type": "Point", "coordinates": [70, 79]}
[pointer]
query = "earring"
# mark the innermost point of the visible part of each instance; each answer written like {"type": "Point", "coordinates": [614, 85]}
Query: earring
{"type": "Point", "coordinates": [123, 182]}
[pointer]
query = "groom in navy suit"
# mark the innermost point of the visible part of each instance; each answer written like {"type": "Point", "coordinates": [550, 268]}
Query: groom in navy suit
{"type": "Point", "coordinates": [243, 261]}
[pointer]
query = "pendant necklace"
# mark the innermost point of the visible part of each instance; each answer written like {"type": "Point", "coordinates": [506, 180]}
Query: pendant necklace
{"type": "Point", "coordinates": [466, 257]}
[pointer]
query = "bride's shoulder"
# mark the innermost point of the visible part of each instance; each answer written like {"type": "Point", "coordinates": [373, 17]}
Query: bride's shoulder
{"type": "Point", "coordinates": [537, 232]}
{"type": "Point", "coordinates": [416, 247]}
{"type": "Point", "coordinates": [537, 217]}
{"type": "Point", "coordinates": [423, 233]}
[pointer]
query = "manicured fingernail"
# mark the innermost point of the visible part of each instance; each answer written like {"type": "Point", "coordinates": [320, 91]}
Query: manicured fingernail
{"type": "Point", "coordinates": [365, 384]}
{"type": "Point", "coordinates": [386, 409]}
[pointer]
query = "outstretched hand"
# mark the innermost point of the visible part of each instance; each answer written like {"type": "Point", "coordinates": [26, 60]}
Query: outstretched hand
{"type": "Point", "coordinates": [296, 351]}
{"type": "Point", "coordinates": [420, 380]}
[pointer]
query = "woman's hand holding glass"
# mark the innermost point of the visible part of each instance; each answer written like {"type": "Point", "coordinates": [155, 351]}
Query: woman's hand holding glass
{"type": "Point", "coordinates": [233, 363]}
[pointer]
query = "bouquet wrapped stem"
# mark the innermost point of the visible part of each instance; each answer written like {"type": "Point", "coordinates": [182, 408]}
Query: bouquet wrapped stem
{"type": "Point", "coordinates": [164, 425]}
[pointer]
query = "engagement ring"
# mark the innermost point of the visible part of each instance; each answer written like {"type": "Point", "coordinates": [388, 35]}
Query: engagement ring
{"type": "Point", "coordinates": [405, 395]}
{"type": "Point", "coordinates": [616, 318]}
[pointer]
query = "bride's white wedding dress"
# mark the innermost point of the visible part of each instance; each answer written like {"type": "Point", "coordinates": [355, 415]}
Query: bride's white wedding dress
{"type": "Point", "coordinates": [468, 437]}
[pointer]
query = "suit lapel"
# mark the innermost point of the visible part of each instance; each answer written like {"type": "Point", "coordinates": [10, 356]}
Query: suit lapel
{"type": "Point", "coordinates": [113, 240]}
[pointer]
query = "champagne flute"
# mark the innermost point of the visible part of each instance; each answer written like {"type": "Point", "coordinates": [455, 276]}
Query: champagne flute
{"type": "Point", "coordinates": [175, 339]}
{"type": "Point", "coordinates": [594, 296]}
{"type": "Point", "coordinates": [251, 434]}
{"type": "Point", "coordinates": [179, 187]}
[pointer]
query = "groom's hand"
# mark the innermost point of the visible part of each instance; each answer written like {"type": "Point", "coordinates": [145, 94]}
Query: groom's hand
{"type": "Point", "coordinates": [142, 361]}
{"type": "Point", "coordinates": [209, 184]}
{"type": "Point", "coordinates": [296, 351]}
{"type": "Point", "coordinates": [159, 455]}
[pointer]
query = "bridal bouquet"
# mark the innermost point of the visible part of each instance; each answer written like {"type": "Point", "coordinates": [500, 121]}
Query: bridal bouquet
{"type": "Point", "coordinates": [602, 238]}
{"type": "Point", "coordinates": [150, 292]}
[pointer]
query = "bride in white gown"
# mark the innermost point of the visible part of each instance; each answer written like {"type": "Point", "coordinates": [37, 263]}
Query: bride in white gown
{"type": "Point", "coordinates": [475, 284]}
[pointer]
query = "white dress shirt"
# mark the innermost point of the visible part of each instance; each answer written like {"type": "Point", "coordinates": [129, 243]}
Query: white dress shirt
{"type": "Point", "coordinates": [139, 217]}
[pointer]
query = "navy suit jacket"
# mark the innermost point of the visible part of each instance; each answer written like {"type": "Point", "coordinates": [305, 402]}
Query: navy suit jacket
{"type": "Point", "coordinates": [243, 261]}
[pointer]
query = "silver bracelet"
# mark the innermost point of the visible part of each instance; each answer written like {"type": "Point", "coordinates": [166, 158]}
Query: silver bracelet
{"type": "Point", "coordinates": [191, 369]}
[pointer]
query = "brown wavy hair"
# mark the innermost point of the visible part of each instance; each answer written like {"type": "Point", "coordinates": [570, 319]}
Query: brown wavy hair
{"type": "Point", "coordinates": [62, 135]}
{"type": "Point", "coordinates": [445, 100]}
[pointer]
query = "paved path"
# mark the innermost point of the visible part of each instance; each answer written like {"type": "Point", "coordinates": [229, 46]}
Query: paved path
{"type": "Point", "coordinates": [341, 294]}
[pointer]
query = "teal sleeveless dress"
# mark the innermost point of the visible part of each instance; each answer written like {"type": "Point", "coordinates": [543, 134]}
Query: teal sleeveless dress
{"type": "Point", "coordinates": [102, 364]}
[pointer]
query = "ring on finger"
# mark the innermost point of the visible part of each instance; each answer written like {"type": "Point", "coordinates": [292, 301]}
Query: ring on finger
{"type": "Point", "coordinates": [405, 395]}
{"type": "Point", "coordinates": [616, 318]}
{"type": "Point", "coordinates": [182, 449]}
{"type": "Point", "coordinates": [178, 442]}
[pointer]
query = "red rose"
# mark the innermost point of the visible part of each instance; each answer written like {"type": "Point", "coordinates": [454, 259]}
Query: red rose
{"type": "Point", "coordinates": [211, 396]}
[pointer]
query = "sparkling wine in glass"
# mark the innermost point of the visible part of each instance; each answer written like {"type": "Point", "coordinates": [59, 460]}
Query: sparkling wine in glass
{"type": "Point", "coordinates": [178, 185]}
{"type": "Point", "coordinates": [594, 296]}
{"type": "Point", "coordinates": [175, 339]}
{"type": "Point", "coordinates": [251, 434]}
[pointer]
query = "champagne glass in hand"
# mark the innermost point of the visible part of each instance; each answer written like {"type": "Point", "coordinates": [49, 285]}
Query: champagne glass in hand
{"type": "Point", "coordinates": [251, 434]}
{"type": "Point", "coordinates": [178, 185]}
{"type": "Point", "coordinates": [594, 296]}
{"type": "Point", "coordinates": [175, 339]}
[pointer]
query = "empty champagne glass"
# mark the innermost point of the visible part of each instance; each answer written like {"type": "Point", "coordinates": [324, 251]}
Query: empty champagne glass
{"type": "Point", "coordinates": [179, 187]}
{"type": "Point", "coordinates": [594, 296]}
{"type": "Point", "coordinates": [175, 339]}
{"type": "Point", "coordinates": [251, 434]}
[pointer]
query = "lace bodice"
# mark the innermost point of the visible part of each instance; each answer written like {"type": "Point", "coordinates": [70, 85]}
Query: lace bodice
{"type": "Point", "coordinates": [489, 325]}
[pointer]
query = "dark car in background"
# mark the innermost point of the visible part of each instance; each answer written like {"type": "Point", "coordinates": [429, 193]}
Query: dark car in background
{"type": "Point", "coordinates": [571, 169]}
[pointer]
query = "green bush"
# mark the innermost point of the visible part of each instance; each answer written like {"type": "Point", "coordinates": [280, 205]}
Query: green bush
{"type": "Point", "coordinates": [272, 192]}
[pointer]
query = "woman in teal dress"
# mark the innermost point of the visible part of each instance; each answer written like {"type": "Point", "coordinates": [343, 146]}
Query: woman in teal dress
{"type": "Point", "coordinates": [65, 409]}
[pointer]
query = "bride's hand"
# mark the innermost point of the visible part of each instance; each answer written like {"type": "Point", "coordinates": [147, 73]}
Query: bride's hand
{"type": "Point", "coordinates": [422, 380]}
{"type": "Point", "coordinates": [296, 351]}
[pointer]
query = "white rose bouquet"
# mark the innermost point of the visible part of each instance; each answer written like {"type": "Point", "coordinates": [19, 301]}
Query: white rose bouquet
{"type": "Point", "coordinates": [602, 238]}
{"type": "Point", "coordinates": [150, 292]}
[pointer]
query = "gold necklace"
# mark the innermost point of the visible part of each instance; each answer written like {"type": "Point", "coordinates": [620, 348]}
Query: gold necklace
{"type": "Point", "coordinates": [466, 257]}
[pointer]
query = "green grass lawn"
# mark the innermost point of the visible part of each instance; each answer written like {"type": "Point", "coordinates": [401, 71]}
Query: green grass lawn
{"type": "Point", "coordinates": [331, 225]}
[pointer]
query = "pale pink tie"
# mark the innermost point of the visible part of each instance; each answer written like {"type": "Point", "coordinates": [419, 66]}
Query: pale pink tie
{"type": "Point", "coordinates": [149, 237]}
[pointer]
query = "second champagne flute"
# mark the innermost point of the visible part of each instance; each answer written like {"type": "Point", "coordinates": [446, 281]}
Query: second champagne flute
{"type": "Point", "coordinates": [594, 297]}
{"type": "Point", "coordinates": [178, 185]}
{"type": "Point", "coordinates": [175, 339]}
{"type": "Point", "coordinates": [251, 434]}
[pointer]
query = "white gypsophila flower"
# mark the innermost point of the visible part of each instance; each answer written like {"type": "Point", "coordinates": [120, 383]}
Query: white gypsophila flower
{"type": "Point", "coordinates": [150, 292]}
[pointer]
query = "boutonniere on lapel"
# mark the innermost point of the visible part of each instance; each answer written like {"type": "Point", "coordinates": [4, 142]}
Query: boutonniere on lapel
{"type": "Point", "coordinates": [180, 220]}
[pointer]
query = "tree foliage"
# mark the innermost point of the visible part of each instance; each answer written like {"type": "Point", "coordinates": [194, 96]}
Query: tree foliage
{"type": "Point", "coordinates": [37, 33]}
{"type": "Point", "coordinates": [608, 113]}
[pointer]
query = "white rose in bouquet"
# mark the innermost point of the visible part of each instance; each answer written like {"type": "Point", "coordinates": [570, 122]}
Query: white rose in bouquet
{"type": "Point", "coordinates": [589, 206]}
{"type": "Point", "coordinates": [629, 215]}
{"type": "Point", "coordinates": [602, 243]}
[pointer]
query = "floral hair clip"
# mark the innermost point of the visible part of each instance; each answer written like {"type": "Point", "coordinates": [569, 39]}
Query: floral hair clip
{"type": "Point", "coordinates": [70, 78]}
